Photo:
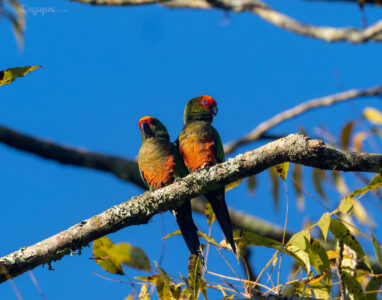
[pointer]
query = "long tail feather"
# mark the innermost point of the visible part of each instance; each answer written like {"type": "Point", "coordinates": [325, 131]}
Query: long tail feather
{"type": "Point", "coordinates": [217, 200]}
{"type": "Point", "coordinates": [189, 231]}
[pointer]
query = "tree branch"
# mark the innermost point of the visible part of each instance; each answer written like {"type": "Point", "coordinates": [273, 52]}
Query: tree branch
{"type": "Point", "coordinates": [122, 168]}
{"type": "Point", "coordinates": [329, 34]}
{"type": "Point", "coordinates": [138, 210]}
{"type": "Point", "coordinates": [298, 110]}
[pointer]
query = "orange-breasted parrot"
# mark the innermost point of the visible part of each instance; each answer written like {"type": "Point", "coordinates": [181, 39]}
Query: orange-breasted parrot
{"type": "Point", "coordinates": [159, 164]}
{"type": "Point", "coordinates": [200, 145]}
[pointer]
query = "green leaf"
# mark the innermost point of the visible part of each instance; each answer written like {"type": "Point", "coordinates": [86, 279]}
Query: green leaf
{"type": "Point", "coordinates": [373, 115]}
{"type": "Point", "coordinates": [345, 135]}
{"type": "Point", "coordinates": [373, 285]}
{"type": "Point", "coordinates": [101, 249]}
{"type": "Point", "coordinates": [194, 276]}
{"type": "Point", "coordinates": [130, 256]}
{"type": "Point", "coordinates": [251, 184]}
{"type": "Point", "coordinates": [377, 249]}
{"type": "Point", "coordinates": [318, 177]}
{"type": "Point", "coordinates": [203, 288]}
{"type": "Point", "coordinates": [324, 224]}
{"type": "Point", "coordinates": [163, 285]}
{"type": "Point", "coordinates": [247, 238]}
{"type": "Point", "coordinates": [353, 286]}
{"type": "Point", "coordinates": [322, 257]}
{"type": "Point", "coordinates": [340, 231]}
{"type": "Point", "coordinates": [10, 75]}
{"type": "Point", "coordinates": [297, 183]}
{"type": "Point", "coordinates": [282, 170]}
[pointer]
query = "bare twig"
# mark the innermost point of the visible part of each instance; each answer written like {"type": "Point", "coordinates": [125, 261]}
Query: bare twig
{"type": "Point", "coordinates": [330, 34]}
{"type": "Point", "coordinates": [138, 210]}
{"type": "Point", "coordinates": [298, 110]}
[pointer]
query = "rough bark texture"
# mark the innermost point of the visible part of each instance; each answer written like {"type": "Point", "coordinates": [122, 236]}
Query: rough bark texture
{"type": "Point", "coordinates": [138, 210]}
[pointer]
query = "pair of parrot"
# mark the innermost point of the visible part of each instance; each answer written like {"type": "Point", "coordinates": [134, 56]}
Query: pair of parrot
{"type": "Point", "coordinates": [199, 144]}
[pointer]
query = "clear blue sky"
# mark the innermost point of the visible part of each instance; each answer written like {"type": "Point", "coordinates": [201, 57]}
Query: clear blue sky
{"type": "Point", "coordinates": [104, 68]}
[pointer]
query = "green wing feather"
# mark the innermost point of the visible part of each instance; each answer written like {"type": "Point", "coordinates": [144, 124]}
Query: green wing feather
{"type": "Point", "coordinates": [180, 166]}
{"type": "Point", "coordinates": [219, 146]}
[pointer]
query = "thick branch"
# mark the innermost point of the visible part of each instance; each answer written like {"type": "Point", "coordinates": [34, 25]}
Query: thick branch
{"type": "Point", "coordinates": [122, 168]}
{"type": "Point", "coordinates": [298, 110]}
{"type": "Point", "coordinates": [329, 34]}
{"type": "Point", "coordinates": [138, 210]}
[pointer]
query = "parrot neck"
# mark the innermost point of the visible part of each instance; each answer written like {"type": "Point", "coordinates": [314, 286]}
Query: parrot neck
{"type": "Point", "coordinates": [192, 117]}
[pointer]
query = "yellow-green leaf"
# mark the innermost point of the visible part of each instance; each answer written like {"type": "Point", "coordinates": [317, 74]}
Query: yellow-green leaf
{"type": "Point", "coordinates": [194, 276]}
{"type": "Point", "coordinates": [358, 140]}
{"type": "Point", "coordinates": [234, 184]}
{"type": "Point", "coordinates": [318, 177]}
{"type": "Point", "coordinates": [375, 183]}
{"type": "Point", "coordinates": [282, 170]}
{"type": "Point", "coordinates": [163, 284]}
{"type": "Point", "coordinates": [297, 183]}
{"type": "Point", "coordinates": [101, 248]}
{"type": "Point", "coordinates": [130, 256]}
{"type": "Point", "coordinates": [340, 183]}
{"type": "Point", "coordinates": [246, 238]}
{"type": "Point", "coordinates": [298, 239]}
{"type": "Point", "coordinates": [144, 294]}
{"type": "Point", "coordinates": [203, 288]}
{"type": "Point", "coordinates": [251, 184]}
{"type": "Point", "coordinates": [11, 74]}
{"type": "Point", "coordinates": [209, 212]}
{"type": "Point", "coordinates": [346, 205]}
{"type": "Point", "coordinates": [275, 186]}
{"type": "Point", "coordinates": [362, 215]}
{"type": "Point", "coordinates": [373, 115]}
{"type": "Point", "coordinates": [130, 297]}
{"type": "Point", "coordinates": [208, 238]}
{"type": "Point", "coordinates": [324, 224]}
{"type": "Point", "coordinates": [340, 231]}
{"type": "Point", "coordinates": [377, 249]}
{"type": "Point", "coordinates": [177, 232]}
{"type": "Point", "coordinates": [345, 135]}
{"type": "Point", "coordinates": [353, 286]}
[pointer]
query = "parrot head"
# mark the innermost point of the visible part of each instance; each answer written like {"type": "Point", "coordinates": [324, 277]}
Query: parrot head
{"type": "Point", "coordinates": [202, 108]}
{"type": "Point", "coordinates": [152, 128]}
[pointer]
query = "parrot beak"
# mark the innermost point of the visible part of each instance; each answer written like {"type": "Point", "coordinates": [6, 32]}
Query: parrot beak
{"type": "Point", "coordinates": [214, 109]}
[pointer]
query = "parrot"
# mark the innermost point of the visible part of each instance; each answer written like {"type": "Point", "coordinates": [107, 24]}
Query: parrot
{"type": "Point", "coordinates": [159, 165]}
{"type": "Point", "coordinates": [199, 145]}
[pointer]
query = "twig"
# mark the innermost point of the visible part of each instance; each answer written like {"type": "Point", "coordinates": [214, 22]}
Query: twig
{"type": "Point", "coordinates": [298, 110]}
{"type": "Point", "coordinates": [294, 148]}
{"type": "Point", "coordinates": [35, 282]}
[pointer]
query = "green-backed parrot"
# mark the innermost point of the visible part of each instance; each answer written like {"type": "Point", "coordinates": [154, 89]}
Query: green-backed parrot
{"type": "Point", "coordinates": [160, 164]}
{"type": "Point", "coordinates": [200, 145]}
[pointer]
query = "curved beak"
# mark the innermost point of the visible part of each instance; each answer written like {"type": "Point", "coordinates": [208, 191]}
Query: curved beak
{"type": "Point", "coordinates": [214, 109]}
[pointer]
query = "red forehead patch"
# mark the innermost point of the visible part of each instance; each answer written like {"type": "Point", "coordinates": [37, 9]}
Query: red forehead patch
{"type": "Point", "coordinates": [147, 119]}
{"type": "Point", "coordinates": [209, 99]}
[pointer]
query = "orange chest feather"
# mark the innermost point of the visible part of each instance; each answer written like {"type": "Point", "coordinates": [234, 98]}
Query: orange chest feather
{"type": "Point", "coordinates": [159, 173]}
{"type": "Point", "coordinates": [196, 151]}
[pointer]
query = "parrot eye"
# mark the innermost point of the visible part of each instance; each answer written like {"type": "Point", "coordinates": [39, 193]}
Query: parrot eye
{"type": "Point", "coordinates": [205, 102]}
